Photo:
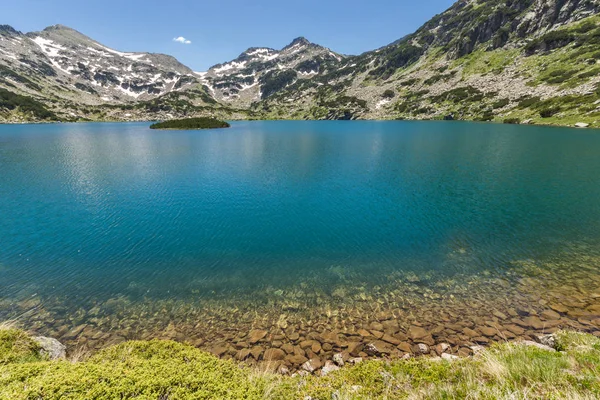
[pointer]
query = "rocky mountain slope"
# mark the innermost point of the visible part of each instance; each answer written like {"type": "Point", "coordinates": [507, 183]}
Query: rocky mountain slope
{"type": "Point", "coordinates": [260, 72]}
{"type": "Point", "coordinates": [72, 74]}
{"type": "Point", "coordinates": [523, 60]}
{"type": "Point", "coordinates": [516, 60]}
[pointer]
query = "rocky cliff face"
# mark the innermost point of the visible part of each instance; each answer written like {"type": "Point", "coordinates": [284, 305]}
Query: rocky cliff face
{"type": "Point", "coordinates": [480, 59]}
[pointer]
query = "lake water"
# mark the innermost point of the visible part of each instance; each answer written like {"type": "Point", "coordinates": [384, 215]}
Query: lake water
{"type": "Point", "coordinates": [115, 231]}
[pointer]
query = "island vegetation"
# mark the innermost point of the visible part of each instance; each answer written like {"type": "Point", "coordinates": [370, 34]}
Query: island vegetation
{"type": "Point", "coordinates": [170, 370]}
{"type": "Point", "coordinates": [191, 123]}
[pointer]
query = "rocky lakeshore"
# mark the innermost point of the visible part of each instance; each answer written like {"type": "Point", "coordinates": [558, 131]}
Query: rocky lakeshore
{"type": "Point", "coordinates": [566, 366]}
{"type": "Point", "coordinates": [310, 330]}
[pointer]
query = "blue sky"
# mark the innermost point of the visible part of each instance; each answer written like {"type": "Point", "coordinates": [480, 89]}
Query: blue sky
{"type": "Point", "coordinates": [219, 30]}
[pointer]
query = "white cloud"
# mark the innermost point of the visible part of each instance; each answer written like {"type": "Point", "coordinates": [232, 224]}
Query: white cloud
{"type": "Point", "coordinates": [182, 40]}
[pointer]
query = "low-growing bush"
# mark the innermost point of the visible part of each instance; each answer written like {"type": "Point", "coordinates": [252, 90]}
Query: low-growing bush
{"type": "Point", "coordinates": [191, 123]}
{"type": "Point", "coordinates": [388, 94]}
{"type": "Point", "coordinates": [12, 101]}
{"type": "Point", "coordinates": [549, 112]}
{"type": "Point", "coordinates": [527, 102]}
{"type": "Point", "coordinates": [500, 103]}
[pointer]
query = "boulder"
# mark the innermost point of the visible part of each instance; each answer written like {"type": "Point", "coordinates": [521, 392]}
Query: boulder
{"type": "Point", "coordinates": [581, 125]}
{"type": "Point", "coordinates": [312, 365]}
{"type": "Point", "coordinates": [51, 348]}
{"type": "Point", "coordinates": [378, 347]}
{"type": "Point", "coordinates": [296, 359]}
{"type": "Point", "coordinates": [547, 340]}
{"type": "Point", "coordinates": [421, 348]}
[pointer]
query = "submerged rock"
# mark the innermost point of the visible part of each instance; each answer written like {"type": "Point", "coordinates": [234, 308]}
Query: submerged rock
{"type": "Point", "coordinates": [416, 332]}
{"type": "Point", "coordinates": [256, 335]}
{"type": "Point", "coordinates": [51, 348]}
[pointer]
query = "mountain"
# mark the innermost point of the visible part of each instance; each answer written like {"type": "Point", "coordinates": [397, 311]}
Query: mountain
{"type": "Point", "coordinates": [534, 61]}
{"type": "Point", "coordinates": [260, 72]}
{"type": "Point", "coordinates": [482, 60]}
{"type": "Point", "coordinates": [67, 70]}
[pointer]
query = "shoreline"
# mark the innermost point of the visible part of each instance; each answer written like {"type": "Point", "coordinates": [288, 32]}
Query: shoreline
{"type": "Point", "coordinates": [292, 325]}
{"type": "Point", "coordinates": [321, 353]}
{"type": "Point", "coordinates": [548, 125]}
{"type": "Point", "coordinates": [564, 365]}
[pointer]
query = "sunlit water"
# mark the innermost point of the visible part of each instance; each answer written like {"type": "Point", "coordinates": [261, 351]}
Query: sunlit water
{"type": "Point", "coordinates": [90, 213]}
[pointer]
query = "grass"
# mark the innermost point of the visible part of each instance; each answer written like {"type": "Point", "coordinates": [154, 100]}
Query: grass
{"type": "Point", "coordinates": [167, 370]}
{"type": "Point", "coordinates": [485, 62]}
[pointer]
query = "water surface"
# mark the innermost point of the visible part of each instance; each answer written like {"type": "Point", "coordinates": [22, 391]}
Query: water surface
{"type": "Point", "coordinates": [268, 215]}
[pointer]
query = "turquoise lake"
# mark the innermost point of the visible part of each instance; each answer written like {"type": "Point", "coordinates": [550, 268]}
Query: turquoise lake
{"type": "Point", "coordinates": [115, 217]}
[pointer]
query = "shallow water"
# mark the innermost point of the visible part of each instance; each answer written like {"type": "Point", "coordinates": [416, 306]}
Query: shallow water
{"type": "Point", "coordinates": [117, 228]}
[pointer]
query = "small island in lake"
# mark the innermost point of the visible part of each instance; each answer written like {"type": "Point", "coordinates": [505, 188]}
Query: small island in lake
{"type": "Point", "coordinates": [191, 123]}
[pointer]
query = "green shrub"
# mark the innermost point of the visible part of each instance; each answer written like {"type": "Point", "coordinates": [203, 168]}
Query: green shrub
{"type": "Point", "coordinates": [274, 81]}
{"type": "Point", "coordinates": [409, 82]}
{"type": "Point", "coordinates": [12, 101]}
{"type": "Point", "coordinates": [550, 41]}
{"type": "Point", "coordinates": [512, 121]}
{"type": "Point", "coordinates": [17, 347]}
{"type": "Point", "coordinates": [500, 103]}
{"type": "Point", "coordinates": [549, 112]}
{"type": "Point", "coordinates": [191, 123]}
{"type": "Point", "coordinates": [388, 94]}
{"type": "Point", "coordinates": [527, 102]}
{"type": "Point", "coordinates": [461, 94]}
{"type": "Point", "coordinates": [395, 57]}
{"type": "Point", "coordinates": [559, 76]}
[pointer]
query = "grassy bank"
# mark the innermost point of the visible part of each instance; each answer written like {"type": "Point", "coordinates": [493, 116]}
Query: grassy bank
{"type": "Point", "coordinates": [169, 370]}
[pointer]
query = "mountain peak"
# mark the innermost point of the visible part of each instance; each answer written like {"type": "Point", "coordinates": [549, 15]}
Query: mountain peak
{"type": "Point", "coordinates": [302, 41]}
{"type": "Point", "coordinates": [9, 30]}
{"type": "Point", "coordinates": [58, 27]}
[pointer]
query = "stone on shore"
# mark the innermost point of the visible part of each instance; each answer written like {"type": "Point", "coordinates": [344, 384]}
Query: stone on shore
{"type": "Point", "coordinates": [51, 348]}
{"type": "Point", "coordinates": [328, 368]}
{"type": "Point", "coordinates": [449, 357]}
{"type": "Point", "coordinates": [274, 355]}
{"type": "Point", "coordinates": [535, 344]}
